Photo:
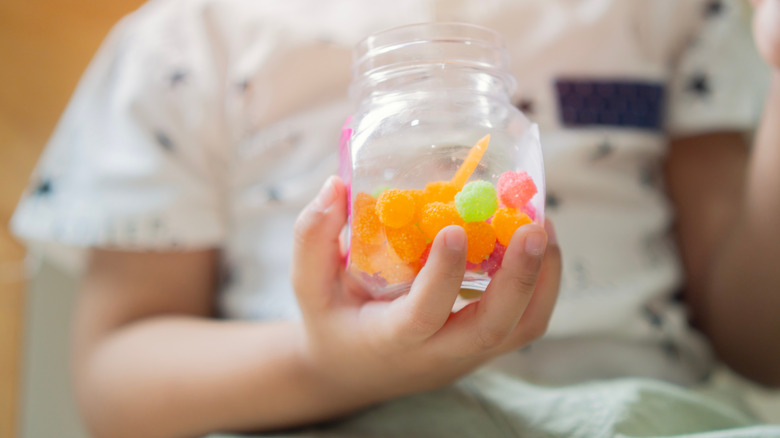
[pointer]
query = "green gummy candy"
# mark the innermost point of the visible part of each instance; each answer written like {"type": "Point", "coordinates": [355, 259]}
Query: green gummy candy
{"type": "Point", "coordinates": [477, 201]}
{"type": "Point", "coordinates": [380, 189]}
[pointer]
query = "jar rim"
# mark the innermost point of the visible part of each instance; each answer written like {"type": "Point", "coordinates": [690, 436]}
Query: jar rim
{"type": "Point", "coordinates": [426, 32]}
{"type": "Point", "coordinates": [434, 45]}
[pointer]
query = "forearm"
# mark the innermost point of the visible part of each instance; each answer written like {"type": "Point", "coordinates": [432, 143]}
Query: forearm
{"type": "Point", "coordinates": [740, 312]}
{"type": "Point", "coordinates": [183, 376]}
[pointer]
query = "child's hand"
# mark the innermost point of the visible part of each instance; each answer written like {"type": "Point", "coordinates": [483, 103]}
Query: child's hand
{"type": "Point", "coordinates": [375, 350]}
{"type": "Point", "coordinates": [766, 28]}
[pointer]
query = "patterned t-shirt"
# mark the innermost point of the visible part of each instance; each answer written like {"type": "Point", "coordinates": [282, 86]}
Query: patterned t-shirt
{"type": "Point", "coordinates": [210, 123]}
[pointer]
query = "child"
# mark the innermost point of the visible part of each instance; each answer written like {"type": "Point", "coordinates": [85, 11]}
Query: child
{"type": "Point", "coordinates": [203, 126]}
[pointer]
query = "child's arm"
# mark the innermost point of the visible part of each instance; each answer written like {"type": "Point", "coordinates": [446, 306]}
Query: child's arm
{"type": "Point", "coordinates": [150, 363]}
{"type": "Point", "coordinates": [728, 204]}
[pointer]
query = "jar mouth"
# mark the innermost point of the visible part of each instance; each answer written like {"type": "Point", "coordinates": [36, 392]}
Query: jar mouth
{"type": "Point", "coordinates": [444, 44]}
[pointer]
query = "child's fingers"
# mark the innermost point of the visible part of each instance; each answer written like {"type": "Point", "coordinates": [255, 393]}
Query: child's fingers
{"type": "Point", "coordinates": [533, 323]}
{"type": "Point", "coordinates": [316, 254]}
{"type": "Point", "coordinates": [420, 314]}
{"type": "Point", "coordinates": [485, 325]}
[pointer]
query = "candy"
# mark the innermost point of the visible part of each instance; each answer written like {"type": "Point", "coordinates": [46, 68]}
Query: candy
{"type": "Point", "coordinates": [506, 221]}
{"type": "Point", "coordinates": [515, 189]}
{"type": "Point", "coordinates": [408, 242]}
{"type": "Point", "coordinates": [470, 294]}
{"type": "Point", "coordinates": [481, 241]}
{"type": "Point", "coordinates": [395, 208]}
{"type": "Point", "coordinates": [424, 256]}
{"type": "Point", "coordinates": [438, 215]}
{"type": "Point", "coordinates": [493, 262]}
{"type": "Point", "coordinates": [470, 163]}
{"type": "Point", "coordinates": [477, 201]}
{"type": "Point", "coordinates": [419, 203]}
{"type": "Point", "coordinates": [362, 256]}
{"type": "Point", "coordinates": [439, 191]}
{"type": "Point", "coordinates": [393, 269]}
{"type": "Point", "coordinates": [365, 222]}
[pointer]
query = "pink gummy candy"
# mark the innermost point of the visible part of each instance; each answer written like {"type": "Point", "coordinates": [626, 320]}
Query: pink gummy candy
{"type": "Point", "coordinates": [493, 262]}
{"type": "Point", "coordinates": [515, 189]}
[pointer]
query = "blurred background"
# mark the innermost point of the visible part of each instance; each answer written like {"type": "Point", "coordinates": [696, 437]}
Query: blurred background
{"type": "Point", "coordinates": [45, 45]}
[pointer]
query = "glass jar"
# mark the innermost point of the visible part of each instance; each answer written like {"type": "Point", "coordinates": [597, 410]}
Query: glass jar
{"type": "Point", "coordinates": [434, 141]}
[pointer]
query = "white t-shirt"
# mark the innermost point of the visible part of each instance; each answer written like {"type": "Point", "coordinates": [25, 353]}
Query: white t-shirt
{"type": "Point", "coordinates": [210, 123]}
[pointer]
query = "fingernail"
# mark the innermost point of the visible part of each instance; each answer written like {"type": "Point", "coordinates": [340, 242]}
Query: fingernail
{"type": "Point", "coordinates": [535, 244]}
{"type": "Point", "coordinates": [552, 238]}
{"type": "Point", "coordinates": [326, 196]}
{"type": "Point", "coordinates": [455, 239]}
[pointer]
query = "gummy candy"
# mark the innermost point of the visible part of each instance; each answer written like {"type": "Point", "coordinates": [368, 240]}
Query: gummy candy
{"type": "Point", "coordinates": [419, 203]}
{"type": "Point", "coordinates": [395, 208]}
{"type": "Point", "coordinates": [506, 221]}
{"type": "Point", "coordinates": [439, 191]}
{"type": "Point", "coordinates": [438, 215]}
{"type": "Point", "coordinates": [393, 269]}
{"type": "Point", "coordinates": [424, 256]}
{"type": "Point", "coordinates": [365, 222]}
{"type": "Point", "coordinates": [477, 201]}
{"type": "Point", "coordinates": [471, 162]}
{"type": "Point", "coordinates": [408, 242]}
{"type": "Point", "coordinates": [515, 189]}
{"type": "Point", "coordinates": [470, 294]}
{"type": "Point", "coordinates": [493, 262]}
{"type": "Point", "coordinates": [362, 256]}
{"type": "Point", "coordinates": [481, 241]}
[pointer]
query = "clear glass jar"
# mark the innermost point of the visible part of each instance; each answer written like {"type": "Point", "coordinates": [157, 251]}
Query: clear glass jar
{"type": "Point", "coordinates": [416, 157]}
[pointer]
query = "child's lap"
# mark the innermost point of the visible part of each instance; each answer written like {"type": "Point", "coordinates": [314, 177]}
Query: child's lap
{"type": "Point", "coordinates": [493, 405]}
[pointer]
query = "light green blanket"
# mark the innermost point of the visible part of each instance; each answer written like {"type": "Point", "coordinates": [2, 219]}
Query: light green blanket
{"type": "Point", "coordinates": [492, 405]}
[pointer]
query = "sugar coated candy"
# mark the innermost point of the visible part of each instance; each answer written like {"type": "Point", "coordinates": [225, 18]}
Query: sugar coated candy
{"type": "Point", "coordinates": [481, 241]}
{"type": "Point", "coordinates": [471, 162]}
{"type": "Point", "coordinates": [506, 221]}
{"type": "Point", "coordinates": [438, 215]}
{"type": "Point", "coordinates": [439, 191]}
{"type": "Point", "coordinates": [365, 222]}
{"type": "Point", "coordinates": [408, 242]}
{"type": "Point", "coordinates": [515, 189]}
{"type": "Point", "coordinates": [395, 208]}
{"type": "Point", "coordinates": [493, 262]}
{"type": "Point", "coordinates": [477, 201]}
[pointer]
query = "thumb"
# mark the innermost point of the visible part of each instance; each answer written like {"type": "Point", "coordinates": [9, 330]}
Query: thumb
{"type": "Point", "coordinates": [316, 254]}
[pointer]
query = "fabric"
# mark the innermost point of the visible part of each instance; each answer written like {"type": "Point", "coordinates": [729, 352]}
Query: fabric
{"type": "Point", "coordinates": [494, 405]}
{"type": "Point", "coordinates": [209, 123]}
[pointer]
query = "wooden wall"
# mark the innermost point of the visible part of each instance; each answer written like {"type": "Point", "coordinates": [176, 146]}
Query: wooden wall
{"type": "Point", "coordinates": [44, 47]}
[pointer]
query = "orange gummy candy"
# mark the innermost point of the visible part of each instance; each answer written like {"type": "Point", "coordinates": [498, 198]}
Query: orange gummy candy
{"type": "Point", "coordinates": [419, 203]}
{"type": "Point", "coordinates": [439, 191]}
{"type": "Point", "coordinates": [481, 241]}
{"type": "Point", "coordinates": [363, 256]}
{"type": "Point", "coordinates": [365, 222]}
{"type": "Point", "coordinates": [438, 215]}
{"type": "Point", "coordinates": [471, 162]}
{"type": "Point", "coordinates": [392, 268]}
{"type": "Point", "coordinates": [506, 221]}
{"type": "Point", "coordinates": [395, 208]}
{"type": "Point", "coordinates": [408, 242]}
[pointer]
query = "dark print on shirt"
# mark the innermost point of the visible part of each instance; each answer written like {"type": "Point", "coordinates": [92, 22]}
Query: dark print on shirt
{"type": "Point", "coordinates": [699, 85]}
{"type": "Point", "coordinates": [604, 149]}
{"type": "Point", "coordinates": [178, 77]}
{"type": "Point", "coordinates": [714, 8]}
{"type": "Point", "coordinates": [617, 103]}
{"type": "Point", "coordinates": [527, 106]}
{"type": "Point", "coordinates": [42, 188]}
{"type": "Point", "coordinates": [164, 141]}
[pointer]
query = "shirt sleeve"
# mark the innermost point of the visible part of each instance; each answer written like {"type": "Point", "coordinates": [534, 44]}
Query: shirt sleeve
{"type": "Point", "coordinates": [718, 80]}
{"type": "Point", "coordinates": [138, 159]}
